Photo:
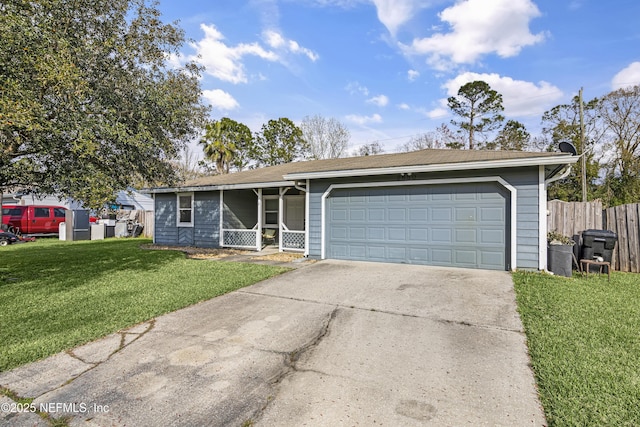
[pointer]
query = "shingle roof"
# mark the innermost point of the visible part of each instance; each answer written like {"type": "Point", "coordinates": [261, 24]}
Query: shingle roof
{"type": "Point", "coordinates": [380, 161]}
{"type": "Point", "coordinates": [371, 165]}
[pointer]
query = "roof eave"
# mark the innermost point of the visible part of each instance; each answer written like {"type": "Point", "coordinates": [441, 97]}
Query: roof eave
{"type": "Point", "coordinates": [483, 164]}
{"type": "Point", "coordinates": [246, 186]}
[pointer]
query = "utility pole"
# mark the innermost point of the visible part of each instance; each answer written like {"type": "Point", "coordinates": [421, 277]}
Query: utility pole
{"type": "Point", "coordinates": [584, 157]}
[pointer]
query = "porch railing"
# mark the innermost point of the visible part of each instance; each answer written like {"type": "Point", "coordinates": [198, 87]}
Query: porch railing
{"type": "Point", "coordinates": [293, 240]}
{"type": "Point", "coordinates": [240, 238]}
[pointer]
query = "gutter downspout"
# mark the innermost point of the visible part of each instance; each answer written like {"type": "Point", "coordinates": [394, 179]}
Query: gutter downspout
{"type": "Point", "coordinates": [558, 177]}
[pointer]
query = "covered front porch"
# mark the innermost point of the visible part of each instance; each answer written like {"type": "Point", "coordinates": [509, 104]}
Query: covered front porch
{"type": "Point", "coordinates": [257, 217]}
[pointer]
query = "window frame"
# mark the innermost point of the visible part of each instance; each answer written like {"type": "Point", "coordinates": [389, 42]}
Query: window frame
{"type": "Point", "coordinates": [179, 210]}
{"type": "Point", "coordinates": [270, 212]}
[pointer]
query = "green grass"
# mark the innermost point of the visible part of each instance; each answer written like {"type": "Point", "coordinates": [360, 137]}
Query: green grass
{"type": "Point", "coordinates": [584, 340]}
{"type": "Point", "coordinates": [56, 295]}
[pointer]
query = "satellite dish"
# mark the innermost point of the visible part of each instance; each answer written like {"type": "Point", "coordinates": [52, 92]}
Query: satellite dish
{"type": "Point", "coordinates": [567, 147]}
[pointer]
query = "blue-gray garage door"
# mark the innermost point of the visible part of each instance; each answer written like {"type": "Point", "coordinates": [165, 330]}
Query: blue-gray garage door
{"type": "Point", "coordinates": [461, 225]}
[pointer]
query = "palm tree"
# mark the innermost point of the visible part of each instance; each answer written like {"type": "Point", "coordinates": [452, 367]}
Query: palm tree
{"type": "Point", "coordinates": [217, 147]}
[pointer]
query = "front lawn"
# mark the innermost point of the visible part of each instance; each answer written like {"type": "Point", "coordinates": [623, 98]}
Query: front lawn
{"type": "Point", "coordinates": [56, 295]}
{"type": "Point", "coordinates": [584, 340]}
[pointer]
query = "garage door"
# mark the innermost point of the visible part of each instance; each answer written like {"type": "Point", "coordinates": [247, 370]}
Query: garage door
{"type": "Point", "coordinates": [461, 225]}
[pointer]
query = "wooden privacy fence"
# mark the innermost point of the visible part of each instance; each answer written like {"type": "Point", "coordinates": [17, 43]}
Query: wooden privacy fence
{"type": "Point", "coordinates": [572, 218]}
{"type": "Point", "coordinates": [623, 220]}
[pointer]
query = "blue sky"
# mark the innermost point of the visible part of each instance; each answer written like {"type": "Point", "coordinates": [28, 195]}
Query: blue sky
{"type": "Point", "coordinates": [384, 68]}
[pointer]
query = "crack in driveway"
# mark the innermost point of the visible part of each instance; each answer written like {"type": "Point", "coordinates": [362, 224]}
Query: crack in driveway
{"type": "Point", "coordinates": [391, 312]}
{"type": "Point", "coordinates": [290, 360]}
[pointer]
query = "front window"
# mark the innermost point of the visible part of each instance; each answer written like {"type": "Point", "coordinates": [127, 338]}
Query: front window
{"type": "Point", "coordinates": [185, 210]}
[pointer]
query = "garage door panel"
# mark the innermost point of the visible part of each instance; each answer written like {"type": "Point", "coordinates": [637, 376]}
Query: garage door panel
{"type": "Point", "coordinates": [397, 254]}
{"type": "Point", "coordinates": [465, 196]}
{"type": "Point", "coordinates": [466, 214]}
{"type": "Point", "coordinates": [339, 250]}
{"type": "Point", "coordinates": [441, 214]}
{"type": "Point", "coordinates": [339, 214]}
{"type": "Point", "coordinates": [441, 197]}
{"type": "Point", "coordinates": [418, 214]}
{"type": "Point", "coordinates": [338, 233]}
{"type": "Point", "coordinates": [377, 253]}
{"type": "Point", "coordinates": [376, 233]}
{"type": "Point", "coordinates": [465, 257]}
{"type": "Point", "coordinates": [419, 255]}
{"type": "Point", "coordinates": [357, 251]}
{"type": "Point", "coordinates": [492, 214]}
{"type": "Point", "coordinates": [397, 235]}
{"type": "Point", "coordinates": [492, 258]}
{"type": "Point", "coordinates": [419, 235]}
{"type": "Point", "coordinates": [376, 214]}
{"type": "Point", "coordinates": [397, 197]}
{"type": "Point", "coordinates": [442, 256]}
{"type": "Point", "coordinates": [466, 236]}
{"type": "Point", "coordinates": [397, 215]}
{"type": "Point", "coordinates": [461, 225]}
{"type": "Point", "coordinates": [492, 236]}
{"type": "Point", "coordinates": [441, 235]}
{"type": "Point", "coordinates": [357, 233]}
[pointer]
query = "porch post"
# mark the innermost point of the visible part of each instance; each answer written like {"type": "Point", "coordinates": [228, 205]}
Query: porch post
{"type": "Point", "coordinates": [281, 193]}
{"type": "Point", "coordinates": [221, 225]}
{"type": "Point", "coordinates": [259, 235]}
{"type": "Point", "coordinates": [307, 196]}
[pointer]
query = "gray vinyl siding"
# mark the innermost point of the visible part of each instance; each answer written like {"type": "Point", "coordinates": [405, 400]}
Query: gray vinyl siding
{"type": "Point", "coordinates": [166, 232]}
{"type": "Point", "coordinates": [525, 180]}
{"type": "Point", "coordinates": [206, 221]}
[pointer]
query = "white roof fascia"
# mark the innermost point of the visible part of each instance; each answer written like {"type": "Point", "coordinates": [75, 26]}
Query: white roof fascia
{"type": "Point", "coordinates": [247, 186]}
{"type": "Point", "coordinates": [490, 164]}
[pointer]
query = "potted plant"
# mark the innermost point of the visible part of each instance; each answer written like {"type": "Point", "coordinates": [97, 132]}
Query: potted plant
{"type": "Point", "coordinates": [559, 254]}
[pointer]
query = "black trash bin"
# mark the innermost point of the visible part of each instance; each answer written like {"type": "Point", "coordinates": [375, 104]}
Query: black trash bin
{"type": "Point", "coordinates": [598, 244]}
{"type": "Point", "coordinates": [559, 259]}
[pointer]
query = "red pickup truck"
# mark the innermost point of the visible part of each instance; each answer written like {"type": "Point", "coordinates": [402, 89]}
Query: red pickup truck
{"type": "Point", "coordinates": [33, 219]}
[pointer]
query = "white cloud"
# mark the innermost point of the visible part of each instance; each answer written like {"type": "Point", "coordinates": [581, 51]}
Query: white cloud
{"type": "Point", "coordinates": [363, 120]}
{"type": "Point", "coordinates": [629, 76]}
{"type": "Point", "coordinates": [276, 41]}
{"type": "Point", "coordinates": [437, 113]}
{"type": "Point", "coordinates": [225, 62]}
{"type": "Point", "coordinates": [220, 99]}
{"type": "Point", "coordinates": [394, 13]}
{"type": "Point", "coordinates": [520, 98]}
{"type": "Point", "coordinates": [355, 88]}
{"type": "Point", "coordinates": [380, 100]}
{"type": "Point", "coordinates": [478, 29]}
{"type": "Point", "coordinates": [412, 75]}
{"type": "Point", "coordinates": [404, 106]}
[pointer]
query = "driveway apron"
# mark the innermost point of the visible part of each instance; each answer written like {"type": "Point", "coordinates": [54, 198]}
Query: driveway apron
{"type": "Point", "coordinates": [334, 343]}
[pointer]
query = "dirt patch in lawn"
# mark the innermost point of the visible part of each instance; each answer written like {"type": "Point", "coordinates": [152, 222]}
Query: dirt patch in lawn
{"type": "Point", "coordinates": [280, 257]}
{"type": "Point", "coordinates": [199, 253]}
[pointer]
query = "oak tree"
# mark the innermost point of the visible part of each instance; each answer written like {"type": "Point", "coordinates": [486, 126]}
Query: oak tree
{"type": "Point", "coordinates": [279, 141]}
{"type": "Point", "coordinates": [88, 101]}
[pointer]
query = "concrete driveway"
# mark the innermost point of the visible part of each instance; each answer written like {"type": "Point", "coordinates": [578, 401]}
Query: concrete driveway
{"type": "Point", "coordinates": [330, 344]}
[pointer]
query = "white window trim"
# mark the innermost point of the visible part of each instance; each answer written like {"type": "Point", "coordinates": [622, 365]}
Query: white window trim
{"type": "Point", "coordinates": [266, 224]}
{"type": "Point", "coordinates": [512, 190]}
{"type": "Point", "coordinates": [184, 224]}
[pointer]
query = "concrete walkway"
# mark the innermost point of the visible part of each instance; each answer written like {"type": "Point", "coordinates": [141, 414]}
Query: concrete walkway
{"type": "Point", "coordinates": [329, 344]}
